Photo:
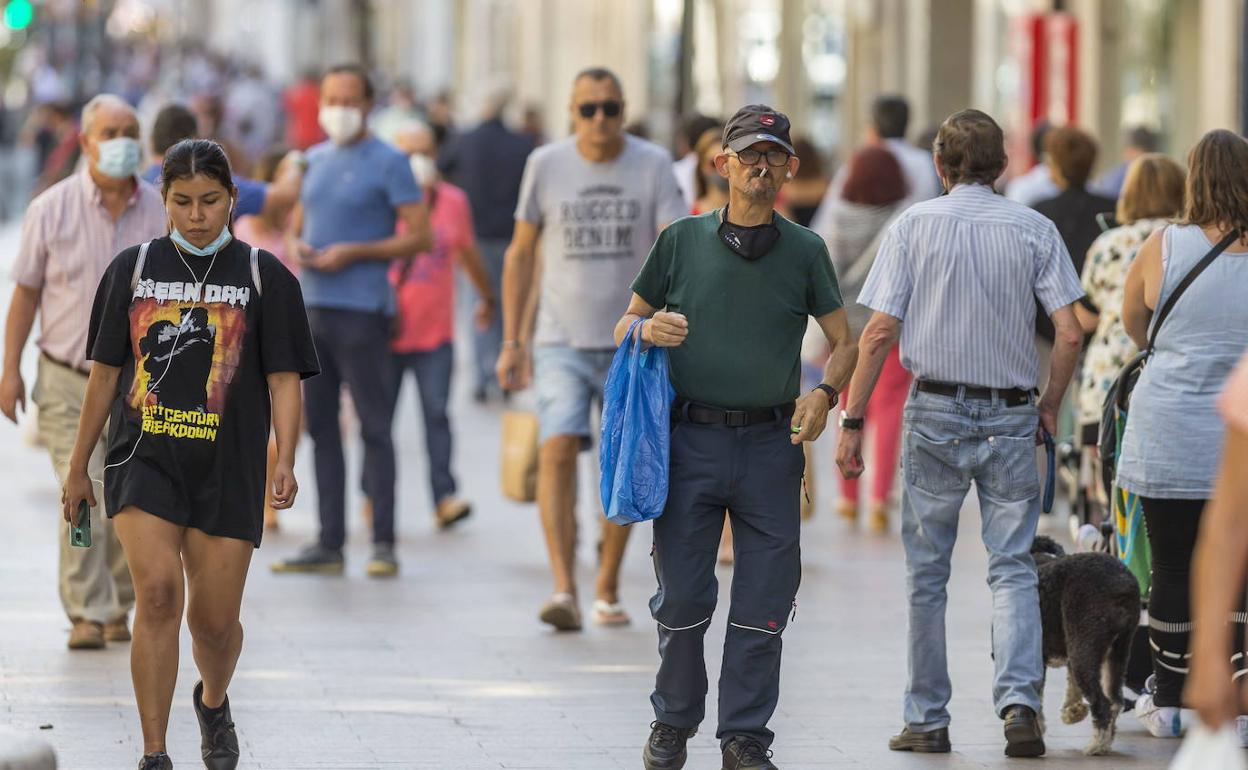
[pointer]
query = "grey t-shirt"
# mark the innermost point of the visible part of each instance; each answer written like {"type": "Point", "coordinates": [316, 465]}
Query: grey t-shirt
{"type": "Point", "coordinates": [598, 222]}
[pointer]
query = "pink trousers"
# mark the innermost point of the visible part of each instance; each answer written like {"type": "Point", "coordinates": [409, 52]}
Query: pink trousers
{"type": "Point", "coordinates": [883, 421]}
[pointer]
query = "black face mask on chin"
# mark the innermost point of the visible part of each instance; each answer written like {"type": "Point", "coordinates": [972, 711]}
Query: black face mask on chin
{"type": "Point", "coordinates": [747, 242]}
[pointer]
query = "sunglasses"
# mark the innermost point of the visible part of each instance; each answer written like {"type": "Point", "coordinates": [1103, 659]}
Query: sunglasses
{"type": "Point", "coordinates": [610, 109]}
{"type": "Point", "coordinates": [774, 157]}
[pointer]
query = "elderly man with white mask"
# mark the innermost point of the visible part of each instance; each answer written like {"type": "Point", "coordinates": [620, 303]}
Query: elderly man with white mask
{"type": "Point", "coordinates": [70, 234]}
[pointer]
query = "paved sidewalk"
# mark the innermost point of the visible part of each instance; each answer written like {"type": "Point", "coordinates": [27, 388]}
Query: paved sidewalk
{"type": "Point", "coordinates": [448, 667]}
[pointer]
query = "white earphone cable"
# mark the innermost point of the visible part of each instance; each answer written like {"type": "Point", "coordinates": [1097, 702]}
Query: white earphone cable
{"type": "Point", "coordinates": [151, 386]}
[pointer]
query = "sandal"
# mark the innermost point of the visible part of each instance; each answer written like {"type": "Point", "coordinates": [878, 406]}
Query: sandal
{"type": "Point", "coordinates": [610, 613]}
{"type": "Point", "coordinates": [562, 613]}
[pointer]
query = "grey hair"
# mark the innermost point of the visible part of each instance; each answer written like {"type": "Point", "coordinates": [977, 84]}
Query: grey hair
{"type": "Point", "coordinates": [414, 126]}
{"type": "Point", "coordinates": [98, 101]}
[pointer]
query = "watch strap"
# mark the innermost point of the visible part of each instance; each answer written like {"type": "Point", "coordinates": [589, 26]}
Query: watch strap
{"type": "Point", "coordinates": [851, 423]}
{"type": "Point", "coordinates": [833, 396]}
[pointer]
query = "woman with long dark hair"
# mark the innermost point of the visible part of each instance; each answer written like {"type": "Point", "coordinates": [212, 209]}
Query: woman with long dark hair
{"type": "Point", "coordinates": [196, 338]}
{"type": "Point", "coordinates": [874, 191]}
{"type": "Point", "coordinates": [1171, 446]}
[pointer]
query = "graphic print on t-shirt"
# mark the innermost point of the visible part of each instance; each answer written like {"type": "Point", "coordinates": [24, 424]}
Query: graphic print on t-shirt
{"type": "Point", "coordinates": [599, 224]}
{"type": "Point", "coordinates": [187, 345]}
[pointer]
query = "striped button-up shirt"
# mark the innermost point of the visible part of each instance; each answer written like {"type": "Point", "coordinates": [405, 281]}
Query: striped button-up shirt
{"type": "Point", "coordinates": [963, 272]}
{"type": "Point", "coordinates": [68, 240]}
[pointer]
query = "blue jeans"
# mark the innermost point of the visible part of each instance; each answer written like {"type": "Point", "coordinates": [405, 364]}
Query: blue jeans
{"type": "Point", "coordinates": [948, 443]}
{"type": "Point", "coordinates": [433, 384]}
{"type": "Point", "coordinates": [486, 342]}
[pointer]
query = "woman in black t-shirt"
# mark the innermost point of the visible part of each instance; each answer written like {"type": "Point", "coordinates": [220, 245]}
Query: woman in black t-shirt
{"type": "Point", "coordinates": [197, 340]}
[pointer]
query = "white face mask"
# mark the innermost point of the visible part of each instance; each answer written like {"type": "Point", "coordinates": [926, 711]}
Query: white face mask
{"type": "Point", "coordinates": [119, 157]}
{"type": "Point", "coordinates": [424, 169]}
{"type": "Point", "coordinates": [340, 124]}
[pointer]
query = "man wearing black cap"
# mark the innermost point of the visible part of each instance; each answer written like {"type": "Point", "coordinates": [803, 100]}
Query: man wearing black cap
{"type": "Point", "coordinates": [729, 292]}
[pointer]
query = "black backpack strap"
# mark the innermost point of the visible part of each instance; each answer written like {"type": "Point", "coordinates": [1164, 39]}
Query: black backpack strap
{"type": "Point", "coordinates": [1192, 275]}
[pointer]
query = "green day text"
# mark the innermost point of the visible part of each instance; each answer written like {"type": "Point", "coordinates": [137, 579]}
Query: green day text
{"type": "Point", "coordinates": [183, 291]}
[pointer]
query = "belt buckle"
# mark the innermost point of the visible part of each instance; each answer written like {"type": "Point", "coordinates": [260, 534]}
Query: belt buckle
{"type": "Point", "coordinates": [734, 419]}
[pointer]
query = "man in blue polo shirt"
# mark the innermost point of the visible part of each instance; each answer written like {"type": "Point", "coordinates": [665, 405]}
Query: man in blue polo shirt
{"type": "Point", "coordinates": [356, 191]}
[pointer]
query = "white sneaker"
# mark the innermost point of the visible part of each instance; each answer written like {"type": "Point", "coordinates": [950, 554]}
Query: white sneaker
{"type": "Point", "coordinates": [1161, 721]}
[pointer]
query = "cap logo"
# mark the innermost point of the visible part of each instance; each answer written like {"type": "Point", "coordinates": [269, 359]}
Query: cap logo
{"type": "Point", "coordinates": [768, 120]}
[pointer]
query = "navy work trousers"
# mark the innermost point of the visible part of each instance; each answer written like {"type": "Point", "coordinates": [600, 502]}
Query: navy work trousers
{"type": "Point", "coordinates": [755, 473]}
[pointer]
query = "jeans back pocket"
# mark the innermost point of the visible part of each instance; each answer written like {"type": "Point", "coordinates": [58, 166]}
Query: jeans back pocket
{"type": "Point", "coordinates": [932, 465]}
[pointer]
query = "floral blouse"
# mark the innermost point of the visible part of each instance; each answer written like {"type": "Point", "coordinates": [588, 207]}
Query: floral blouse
{"type": "Point", "coordinates": [1104, 278]}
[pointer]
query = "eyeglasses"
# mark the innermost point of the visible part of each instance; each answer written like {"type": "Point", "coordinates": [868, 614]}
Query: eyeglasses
{"type": "Point", "coordinates": [610, 109]}
{"type": "Point", "coordinates": [774, 157]}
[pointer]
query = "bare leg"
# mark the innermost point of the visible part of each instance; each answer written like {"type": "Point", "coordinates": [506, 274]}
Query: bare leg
{"type": "Point", "coordinates": [556, 501]}
{"type": "Point", "coordinates": [153, 549]}
{"type": "Point", "coordinates": [216, 570]}
{"type": "Point", "coordinates": [614, 541]}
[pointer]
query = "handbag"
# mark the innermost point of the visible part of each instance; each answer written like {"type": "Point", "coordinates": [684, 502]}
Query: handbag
{"type": "Point", "coordinates": [518, 469]}
{"type": "Point", "coordinates": [1131, 548]}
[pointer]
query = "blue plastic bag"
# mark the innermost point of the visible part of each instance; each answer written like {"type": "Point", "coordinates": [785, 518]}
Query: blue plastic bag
{"type": "Point", "coordinates": [636, 433]}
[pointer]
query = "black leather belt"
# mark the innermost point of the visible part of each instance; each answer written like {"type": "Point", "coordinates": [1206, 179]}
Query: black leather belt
{"type": "Point", "coordinates": [1010, 396]}
{"type": "Point", "coordinates": [84, 372]}
{"type": "Point", "coordinates": [699, 414]}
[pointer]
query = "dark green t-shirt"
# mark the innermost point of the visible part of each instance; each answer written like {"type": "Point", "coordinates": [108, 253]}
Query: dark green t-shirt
{"type": "Point", "coordinates": [746, 318]}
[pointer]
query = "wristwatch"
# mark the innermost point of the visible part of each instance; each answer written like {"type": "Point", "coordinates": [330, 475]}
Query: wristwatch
{"type": "Point", "coordinates": [833, 396]}
{"type": "Point", "coordinates": [850, 423]}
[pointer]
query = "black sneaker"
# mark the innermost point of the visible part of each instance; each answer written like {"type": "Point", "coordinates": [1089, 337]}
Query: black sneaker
{"type": "Point", "coordinates": [1022, 733]}
{"type": "Point", "coordinates": [930, 742]}
{"type": "Point", "coordinates": [747, 754]}
{"type": "Point", "coordinates": [218, 741]}
{"type": "Point", "coordinates": [157, 760]}
{"type": "Point", "coordinates": [316, 558]}
{"type": "Point", "coordinates": [666, 748]}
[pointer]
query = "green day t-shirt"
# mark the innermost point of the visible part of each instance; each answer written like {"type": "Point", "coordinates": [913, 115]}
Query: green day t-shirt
{"type": "Point", "coordinates": [746, 318]}
{"type": "Point", "coordinates": [598, 221]}
{"type": "Point", "coordinates": [193, 381]}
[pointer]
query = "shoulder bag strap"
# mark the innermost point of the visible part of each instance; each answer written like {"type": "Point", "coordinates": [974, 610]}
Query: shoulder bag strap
{"type": "Point", "coordinates": [255, 271]}
{"type": "Point", "coordinates": [1192, 274]}
{"type": "Point", "coordinates": [138, 267]}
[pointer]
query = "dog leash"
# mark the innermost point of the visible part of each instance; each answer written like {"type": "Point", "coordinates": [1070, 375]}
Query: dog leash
{"type": "Point", "coordinates": [1050, 481]}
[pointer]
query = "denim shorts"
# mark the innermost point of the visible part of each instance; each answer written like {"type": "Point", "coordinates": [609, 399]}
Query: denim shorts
{"type": "Point", "coordinates": [568, 382]}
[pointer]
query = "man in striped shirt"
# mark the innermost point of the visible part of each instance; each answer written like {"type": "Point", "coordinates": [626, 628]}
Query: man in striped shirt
{"type": "Point", "coordinates": [963, 272]}
{"type": "Point", "coordinates": [70, 234]}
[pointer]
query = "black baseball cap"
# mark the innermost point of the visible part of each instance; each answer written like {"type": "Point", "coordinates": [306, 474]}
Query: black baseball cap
{"type": "Point", "coordinates": [757, 123]}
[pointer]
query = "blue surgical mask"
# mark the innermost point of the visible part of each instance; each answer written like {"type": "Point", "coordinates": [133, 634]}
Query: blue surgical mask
{"type": "Point", "coordinates": [119, 158]}
{"type": "Point", "coordinates": [217, 244]}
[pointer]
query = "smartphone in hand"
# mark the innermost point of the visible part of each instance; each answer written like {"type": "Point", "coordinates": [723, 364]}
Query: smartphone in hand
{"type": "Point", "coordinates": [80, 527]}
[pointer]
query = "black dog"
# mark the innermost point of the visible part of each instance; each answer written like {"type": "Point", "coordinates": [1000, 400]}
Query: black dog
{"type": "Point", "coordinates": [1089, 607]}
